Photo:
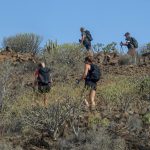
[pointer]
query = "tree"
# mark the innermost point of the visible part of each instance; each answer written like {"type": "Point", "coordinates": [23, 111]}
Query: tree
{"type": "Point", "coordinates": [24, 42]}
{"type": "Point", "coordinates": [145, 48]}
{"type": "Point", "coordinates": [98, 47]}
{"type": "Point", "coordinates": [110, 47]}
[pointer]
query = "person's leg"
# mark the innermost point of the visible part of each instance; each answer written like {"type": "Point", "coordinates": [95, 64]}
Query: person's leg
{"type": "Point", "coordinates": [133, 55]}
{"type": "Point", "coordinates": [85, 95]}
{"type": "Point", "coordinates": [88, 46]}
{"type": "Point", "coordinates": [135, 59]}
{"type": "Point", "coordinates": [86, 103]}
{"type": "Point", "coordinates": [92, 97]}
{"type": "Point", "coordinates": [89, 53]}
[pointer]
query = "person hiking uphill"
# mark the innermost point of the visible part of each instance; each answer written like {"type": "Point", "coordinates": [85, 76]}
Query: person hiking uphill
{"type": "Point", "coordinates": [86, 38]}
{"type": "Point", "coordinates": [131, 44]}
{"type": "Point", "coordinates": [91, 76]}
{"type": "Point", "coordinates": [43, 80]}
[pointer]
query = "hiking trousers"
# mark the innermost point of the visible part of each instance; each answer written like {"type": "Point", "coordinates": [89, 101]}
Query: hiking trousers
{"type": "Point", "coordinates": [132, 53]}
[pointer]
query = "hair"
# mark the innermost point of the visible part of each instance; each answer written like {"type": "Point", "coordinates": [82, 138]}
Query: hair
{"type": "Point", "coordinates": [88, 59]}
{"type": "Point", "coordinates": [41, 64]}
{"type": "Point", "coordinates": [127, 34]}
{"type": "Point", "coordinates": [82, 29]}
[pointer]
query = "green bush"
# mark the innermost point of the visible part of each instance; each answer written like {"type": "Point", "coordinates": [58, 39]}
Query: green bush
{"type": "Point", "coordinates": [146, 118]}
{"type": "Point", "coordinates": [113, 91]}
{"type": "Point", "coordinates": [65, 61]}
{"type": "Point", "coordinates": [145, 48]}
{"type": "Point", "coordinates": [144, 88]}
{"type": "Point", "coordinates": [23, 42]}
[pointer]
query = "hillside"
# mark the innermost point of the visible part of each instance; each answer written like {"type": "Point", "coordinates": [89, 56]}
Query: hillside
{"type": "Point", "coordinates": [121, 120]}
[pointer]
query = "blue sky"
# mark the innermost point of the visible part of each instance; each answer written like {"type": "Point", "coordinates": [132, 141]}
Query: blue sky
{"type": "Point", "coordinates": [107, 20]}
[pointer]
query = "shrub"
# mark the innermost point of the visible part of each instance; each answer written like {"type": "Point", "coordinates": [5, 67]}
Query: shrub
{"type": "Point", "coordinates": [146, 118]}
{"type": "Point", "coordinates": [145, 49]}
{"type": "Point", "coordinates": [110, 47]}
{"type": "Point", "coordinates": [144, 88]}
{"type": "Point", "coordinates": [65, 60]}
{"type": "Point", "coordinates": [124, 60]}
{"type": "Point", "coordinates": [145, 85]}
{"type": "Point", "coordinates": [5, 145]}
{"type": "Point", "coordinates": [113, 91]}
{"type": "Point", "coordinates": [23, 42]}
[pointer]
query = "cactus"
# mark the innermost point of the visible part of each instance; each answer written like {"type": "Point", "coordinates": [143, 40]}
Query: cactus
{"type": "Point", "coordinates": [50, 46]}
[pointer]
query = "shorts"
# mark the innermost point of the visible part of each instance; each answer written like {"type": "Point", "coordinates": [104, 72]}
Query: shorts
{"type": "Point", "coordinates": [87, 45]}
{"type": "Point", "coordinates": [44, 88]}
{"type": "Point", "coordinates": [90, 84]}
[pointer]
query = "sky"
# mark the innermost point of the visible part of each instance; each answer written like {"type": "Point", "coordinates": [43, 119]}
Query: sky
{"type": "Point", "coordinates": [61, 20]}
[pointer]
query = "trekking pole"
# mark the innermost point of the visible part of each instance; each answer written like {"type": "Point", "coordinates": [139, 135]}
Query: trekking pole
{"type": "Point", "coordinates": [121, 48]}
{"type": "Point", "coordinates": [83, 93]}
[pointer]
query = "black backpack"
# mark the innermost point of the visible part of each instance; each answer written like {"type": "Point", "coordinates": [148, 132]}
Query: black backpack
{"type": "Point", "coordinates": [95, 73]}
{"type": "Point", "coordinates": [88, 35]}
{"type": "Point", "coordinates": [44, 76]}
{"type": "Point", "coordinates": [134, 42]}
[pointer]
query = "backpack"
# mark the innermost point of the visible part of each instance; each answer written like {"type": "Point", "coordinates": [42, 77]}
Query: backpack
{"type": "Point", "coordinates": [88, 35]}
{"type": "Point", "coordinates": [44, 76]}
{"type": "Point", "coordinates": [134, 42]}
{"type": "Point", "coordinates": [95, 73]}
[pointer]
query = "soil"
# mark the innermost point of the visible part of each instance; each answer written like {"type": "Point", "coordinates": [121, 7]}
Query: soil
{"type": "Point", "coordinates": [127, 125]}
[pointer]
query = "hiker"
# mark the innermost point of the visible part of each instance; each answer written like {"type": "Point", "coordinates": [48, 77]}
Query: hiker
{"type": "Point", "coordinates": [131, 44]}
{"type": "Point", "coordinates": [91, 76]}
{"type": "Point", "coordinates": [86, 38]}
{"type": "Point", "coordinates": [43, 80]}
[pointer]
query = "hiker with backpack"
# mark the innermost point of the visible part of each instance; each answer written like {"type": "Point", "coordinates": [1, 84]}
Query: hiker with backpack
{"type": "Point", "coordinates": [86, 38]}
{"type": "Point", "coordinates": [91, 76]}
{"type": "Point", "coordinates": [131, 44]}
{"type": "Point", "coordinates": [43, 80]}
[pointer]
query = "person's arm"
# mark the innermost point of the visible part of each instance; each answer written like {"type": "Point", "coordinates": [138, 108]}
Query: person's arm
{"type": "Point", "coordinates": [127, 42]}
{"type": "Point", "coordinates": [86, 69]}
{"type": "Point", "coordinates": [124, 44]}
{"type": "Point", "coordinates": [83, 38]}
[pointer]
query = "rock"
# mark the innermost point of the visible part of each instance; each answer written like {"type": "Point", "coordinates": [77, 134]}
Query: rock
{"type": "Point", "coordinates": [143, 111]}
{"type": "Point", "coordinates": [135, 123]}
{"type": "Point", "coordinates": [125, 115]}
{"type": "Point", "coordinates": [131, 112]}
